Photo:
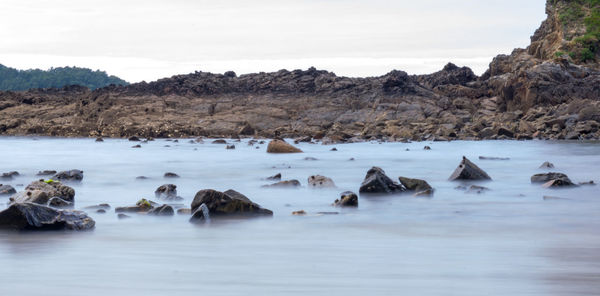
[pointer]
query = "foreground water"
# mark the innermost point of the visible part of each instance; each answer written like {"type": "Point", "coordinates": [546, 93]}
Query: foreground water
{"type": "Point", "coordinates": [508, 241]}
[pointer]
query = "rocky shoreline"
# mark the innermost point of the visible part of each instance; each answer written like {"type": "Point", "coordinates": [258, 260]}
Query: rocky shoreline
{"type": "Point", "coordinates": [533, 93]}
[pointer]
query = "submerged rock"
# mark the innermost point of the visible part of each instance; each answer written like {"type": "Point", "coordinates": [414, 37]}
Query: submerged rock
{"type": "Point", "coordinates": [377, 182]}
{"type": "Point", "coordinates": [477, 189]}
{"type": "Point", "coordinates": [30, 216]}
{"type": "Point", "coordinates": [347, 199]}
{"type": "Point", "coordinates": [558, 183]}
{"type": "Point", "coordinates": [171, 175]}
{"type": "Point", "coordinates": [46, 173]}
{"type": "Point", "coordinates": [123, 216]}
{"type": "Point", "coordinates": [167, 192]}
{"type": "Point", "coordinates": [7, 190]}
{"type": "Point", "coordinates": [227, 204]}
{"type": "Point", "coordinates": [103, 206]}
{"type": "Point", "coordinates": [493, 158]}
{"type": "Point", "coordinates": [230, 147]}
{"type": "Point", "coordinates": [275, 177]}
{"type": "Point", "coordinates": [467, 170]}
{"type": "Point", "coordinates": [318, 181]}
{"type": "Point", "coordinates": [299, 213]}
{"type": "Point", "coordinates": [9, 175]}
{"type": "Point", "coordinates": [69, 176]}
{"type": "Point", "coordinates": [280, 146]}
{"type": "Point", "coordinates": [99, 139]}
{"type": "Point", "coordinates": [284, 184]}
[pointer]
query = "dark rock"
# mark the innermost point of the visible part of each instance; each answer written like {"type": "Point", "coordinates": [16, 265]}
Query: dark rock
{"type": "Point", "coordinates": [167, 192]}
{"type": "Point", "coordinates": [99, 140]}
{"type": "Point", "coordinates": [558, 183]}
{"type": "Point", "coordinates": [30, 216]}
{"type": "Point", "coordinates": [493, 158]}
{"type": "Point", "coordinates": [137, 146]}
{"type": "Point", "coordinates": [41, 192]}
{"type": "Point", "coordinates": [171, 175]}
{"type": "Point", "coordinates": [547, 165]}
{"type": "Point", "coordinates": [58, 202]}
{"type": "Point", "coordinates": [96, 207]}
{"type": "Point", "coordinates": [46, 173]}
{"type": "Point", "coordinates": [7, 190]}
{"type": "Point", "coordinates": [591, 182]}
{"type": "Point", "coordinates": [219, 141]}
{"type": "Point", "coordinates": [378, 183]}
{"type": "Point", "coordinates": [347, 199]}
{"type": "Point", "coordinates": [284, 184]}
{"type": "Point", "coordinates": [134, 139]}
{"type": "Point", "coordinates": [477, 189]}
{"type": "Point", "coordinates": [184, 211]}
{"type": "Point", "coordinates": [416, 185]}
{"type": "Point", "coordinates": [333, 149]}
{"type": "Point", "coordinates": [9, 175]}
{"type": "Point", "coordinates": [230, 147]}
{"type": "Point", "coordinates": [280, 146]}
{"type": "Point", "coordinates": [201, 214]}
{"type": "Point", "coordinates": [101, 211]}
{"type": "Point", "coordinates": [505, 132]}
{"type": "Point", "coordinates": [164, 210]}
{"type": "Point", "coordinates": [141, 178]}
{"type": "Point", "coordinates": [545, 177]}
{"type": "Point", "coordinates": [426, 148]}
{"type": "Point", "coordinates": [228, 203]}
{"type": "Point", "coordinates": [467, 170]}
{"type": "Point", "coordinates": [123, 216]}
{"type": "Point", "coordinates": [275, 177]}
{"type": "Point", "coordinates": [318, 181]}
{"type": "Point", "coordinates": [69, 176]}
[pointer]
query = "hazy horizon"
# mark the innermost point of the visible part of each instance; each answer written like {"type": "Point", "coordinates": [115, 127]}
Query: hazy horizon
{"type": "Point", "coordinates": [147, 40]}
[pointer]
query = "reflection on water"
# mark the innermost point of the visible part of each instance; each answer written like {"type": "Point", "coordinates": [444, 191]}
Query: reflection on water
{"type": "Point", "coordinates": [504, 241]}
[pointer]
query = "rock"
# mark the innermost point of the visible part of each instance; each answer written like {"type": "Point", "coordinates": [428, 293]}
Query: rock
{"type": "Point", "coordinates": [477, 189]}
{"type": "Point", "coordinates": [184, 211]}
{"type": "Point", "coordinates": [493, 158]}
{"type": "Point", "coordinates": [170, 175]}
{"type": "Point", "coordinates": [134, 139]}
{"type": "Point", "coordinates": [333, 149]}
{"type": "Point", "coordinates": [164, 210]}
{"type": "Point", "coordinates": [219, 141]}
{"type": "Point", "coordinates": [99, 140]}
{"type": "Point", "coordinates": [227, 204]}
{"type": "Point", "coordinates": [310, 158]}
{"type": "Point", "coordinates": [123, 216]}
{"type": "Point", "coordinates": [378, 183]}
{"type": "Point", "coordinates": [136, 146]}
{"type": "Point", "coordinates": [299, 213]}
{"type": "Point", "coordinates": [58, 202]}
{"type": "Point", "coordinates": [318, 181]}
{"type": "Point", "coordinates": [547, 197]}
{"type": "Point", "coordinates": [275, 177]}
{"type": "Point", "coordinates": [9, 175]}
{"type": "Point", "coordinates": [143, 205]}
{"type": "Point", "coordinates": [558, 183]}
{"type": "Point", "coordinates": [416, 185]}
{"type": "Point", "coordinates": [280, 146]}
{"type": "Point", "coordinates": [167, 192]}
{"type": "Point", "coordinates": [591, 182]}
{"type": "Point", "coordinates": [69, 176]}
{"type": "Point", "coordinates": [467, 170]}
{"type": "Point", "coordinates": [284, 184]}
{"type": "Point", "coordinates": [230, 147]}
{"type": "Point", "coordinates": [46, 173]}
{"type": "Point", "coordinates": [505, 132]}
{"type": "Point", "coordinates": [547, 165]}
{"type": "Point", "coordinates": [201, 214]}
{"type": "Point", "coordinates": [141, 178]}
{"type": "Point", "coordinates": [103, 206]}
{"type": "Point", "coordinates": [424, 193]}
{"type": "Point", "coordinates": [545, 177]}
{"type": "Point", "coordinates": [41, 192]}
{"type": "Point", "coordinates": [247, 130]}
{"type": "Point", "coordinates": [101, 211]}
{"type": "Point", "coordinates": [328, 213]}
{"type": "Point", "coordinates": [30, 216]}
{"type": "Point", "coordinates": [347, 199]}
{"type": "Point", "coordinates": [426, 148]}
{"type": "Point", "coordinates": [7, 190]}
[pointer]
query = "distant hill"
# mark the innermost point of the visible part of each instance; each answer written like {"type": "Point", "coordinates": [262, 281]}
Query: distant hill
{"type": "Point", "coordinates": [13, 79]}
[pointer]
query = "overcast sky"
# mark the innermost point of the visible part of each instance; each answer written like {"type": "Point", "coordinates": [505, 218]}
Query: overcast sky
{"type": "Point", "coordinates": [150, 39]}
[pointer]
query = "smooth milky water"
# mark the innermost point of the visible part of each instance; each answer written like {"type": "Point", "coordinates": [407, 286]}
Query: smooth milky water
{"type": "Point", "coordinates": [507, 241]}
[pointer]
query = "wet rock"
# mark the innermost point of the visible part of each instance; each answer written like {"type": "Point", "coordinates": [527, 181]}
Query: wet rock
{"type": "Point", "coordinates": [493, 158]}
{"type": "Point", "coordinates": [558, 183]}
{"type": "Point", "coordinates": [347, 199]}
{"type": "Point", "coordinates": [184, 211]}
{"type": "Point", "coordinates": [426, 148]}
{"type": "Point", "coordinates": [546, 177]}
{"type": "Point", "coordinates": [136, 146]}
{"type": "Point", "coordinates": [416, 185]}
{"type": "Point", "coordinates": [467, 170]}
{"type": "Point", "coordinates": [167, 192]}
{"type": "Point", "coordinates": [30, 216]}
{"type": "Point", "coordinates": [69, 176]}
{"type": "Point", "coordinates": [299, 213]}
{"type": "Point", "coordinates": [164, 210]}
{"type": "Point", "coordinates": [317, 181]}
{"type": "Point", "coordinates": [547, 165]}
{"type": "Point", "coordinates": [230, 147]}
{"type": "Point", "coordinates": [424, 193]}
{"type": "Point", "coordinates": [46, 173]}
{"type": "Point", "coordinates": [58, 202]}
{"type": "Point", "coordinates": [7, 190]}
{"type": "Point", "coordinates": [122, 216]}
{"type": "Point", "coordinates": [378, 183]}
{"type": "Point", "coordinates": [142, 206]}
{"type": "Point", "coordinates": [170, 175]}
{"type": "Point", "coordinates": [284, 184]}
{"type": "Point", "coordinates": [134, 139]}
{"type": "Point", "coordinates": [101, 211]}
{"type": "Point", "coordinates": [477, 189]}
{"type": "Point", "coordinates": [99, 140]}
{"type": "Point", "coordinates": [103, 206]}
{"type": "Point", "coordinates": [333, 149]}
{"type": "Point", "coordinates": [227, 204]}
{"type": "Point", "coordinates": [280, 146]}
{"type": "Point", "coordinates": [275, 177]}
{"type": "Point", "coordinates": [41, 192]}
{"type": "Point", "coordinates": [219, 141]}
{"type": "Point", "coordinates": [9, 175]}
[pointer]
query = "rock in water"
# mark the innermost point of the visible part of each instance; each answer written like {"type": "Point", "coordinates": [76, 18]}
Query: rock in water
{"type": "Point", "coordinates": [164, 210]}
{"type": "Point", "coordinates": [467, 170]}
{"type": "Point", "coordinates": [280, 146]}
{"type": "Point", "coordinates": [547, 165]}
{"type": "Point", "coordinates": [9, 175]}
{"type": "Point", "coordinates": [414, 184]}
{"type": "Point", "coordinates": [29, 216]}
{"type": "Point", "coordinates": [347, 199]}
{"type": "Point", "coordinates": [69, 176]}
{"type": "Point", "coordinates": [275, 177]}
{"type": "Point", "coordinates": [167, 192]}
{"type": "Point", "coordinates": [219, 141]}
{"type": "Point", "coordinates": [42, 192]}
{"type": "Point", "coordinates": [284, 184]}
{"type": "Point", "coordinates": [558, 183]}
{"type": "Point", "coordinates": [227, 204]}
{"type": "Point", "coordinates": [546, 177]}
{"type": "Point", "coordinates": [377, 182]}
{"type": "Point", "coordinates": [318, 181]}
{"type": "Point", "coordinates": [46, 173]}
{"type": "Point", "coordinates": [170, 175]}
{"type": "Point", "coordinates": [7, 190]}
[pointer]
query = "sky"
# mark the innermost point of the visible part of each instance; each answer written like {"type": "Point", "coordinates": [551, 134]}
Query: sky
{"type": "Point", "coordinates": [151, 39]}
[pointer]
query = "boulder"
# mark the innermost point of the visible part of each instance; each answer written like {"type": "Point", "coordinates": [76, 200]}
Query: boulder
{"type": "Point", "coordinates": [9, 175]}
{"type": "Point", "coordinates": [219, 141]}
{"type": "Point", "coordinates": [164, 210]}
{"type": "Point", "coordinates": [46, 173]}
{"type": "Point", "coordinates": [142, 206]}
{"type": "Point", "coordinates": [69, 176]}
{"type": "Point", "coordinates": [416, 185]}
{"type": "Point", "coordinates": [378, 183]}
{"type": "Point", "coordinates": [347, 199]}
{"type": "Point", "coordinates": [558, 183]}
{"type": "Point", "coordinates": [467, 170]}
{"type": "Point", "coordinates": [284, 184]}
{"type": "Point", "coordinates": [227, 204]}
{"type": "Point", "coordinates": [318, 181]}
{"type": "Point", "coordinates": [547, 165]}
{"type": "Point", "coordinates": [134, 139]}
{"type": "Point", "coordinates": [41, 192]}
{"type": "Point", "coordinates": [7, 190]}
{"type": "Point", "coordinates": [171, 175]}
{"type": "Point", "coordinates": [280, 146]}
{"type": "Point", "coordinates": [167, 192]}
{"type": "Point", "coordinates": [30, 216]}
{"type": "Point", "coordinates": [230, 147]}
{"type": "Point", "coordinates": [275, 177]}
{"type": "Point", "coordinates": [546, 177]}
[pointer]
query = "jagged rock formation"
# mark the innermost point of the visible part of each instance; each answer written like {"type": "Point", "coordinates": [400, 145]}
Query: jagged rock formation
{"type": "Point", "coordinates": [537, 92]}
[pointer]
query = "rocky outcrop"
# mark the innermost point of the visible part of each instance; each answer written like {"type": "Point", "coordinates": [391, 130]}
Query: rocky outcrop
{"type": "Point", "coordinates": [30, 216]}
{"type": "Point", "coordinates": [467, 170]}
{"type": "Point", "coordinates": [227, 204]}
{"type": "Point", "coordinates": [377, 182]}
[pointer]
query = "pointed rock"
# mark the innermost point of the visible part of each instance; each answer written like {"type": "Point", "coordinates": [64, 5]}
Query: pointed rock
{"type": "Point", "coordinates": [377, 182]}
{"type": "Point", "coordinates": [467, 170]}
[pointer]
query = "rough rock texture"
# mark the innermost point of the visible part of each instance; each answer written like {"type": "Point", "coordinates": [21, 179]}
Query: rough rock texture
{"type": "Point", "coordinates": [347, 199]}
{"type": "Point", "coordinates": [467, 170]}
{"type": "Point", "coordinates": [418, 186]}
{"type": "Point", "coordinates": [50, 193]}
{"type": "Point", "coordinates": [547, 177]}
{"type": "Point", "coordinates": [29, 216]}
{"type": "Point", "coordinates": [167, 192]}
{"type": "Point", "coordinates": [164, 210]}
{"type": "Point", "coordinates": [377, 182]}
{"type": "Point", "coordinates": [69, 176]}
{"type": "Point", "coordinates": [228, 203]}
{"type": "Point", "coordinates": [280, 146]}
{"type": "Point", "coordinates": [7, 190]}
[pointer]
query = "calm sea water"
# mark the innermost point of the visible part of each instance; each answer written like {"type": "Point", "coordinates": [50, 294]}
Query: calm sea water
{"type": "Point", "coordinates": [508, 241]}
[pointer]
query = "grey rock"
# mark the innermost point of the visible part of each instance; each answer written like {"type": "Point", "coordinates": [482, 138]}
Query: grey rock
{"type": "Point", "coordinates": [467, 170]}
{"type": "Point", "coordinates": [376, 182]}
{"type": "Point", "coordinates": [347, 199]}
{"type": "Point", "coordinates": [30, 216]}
